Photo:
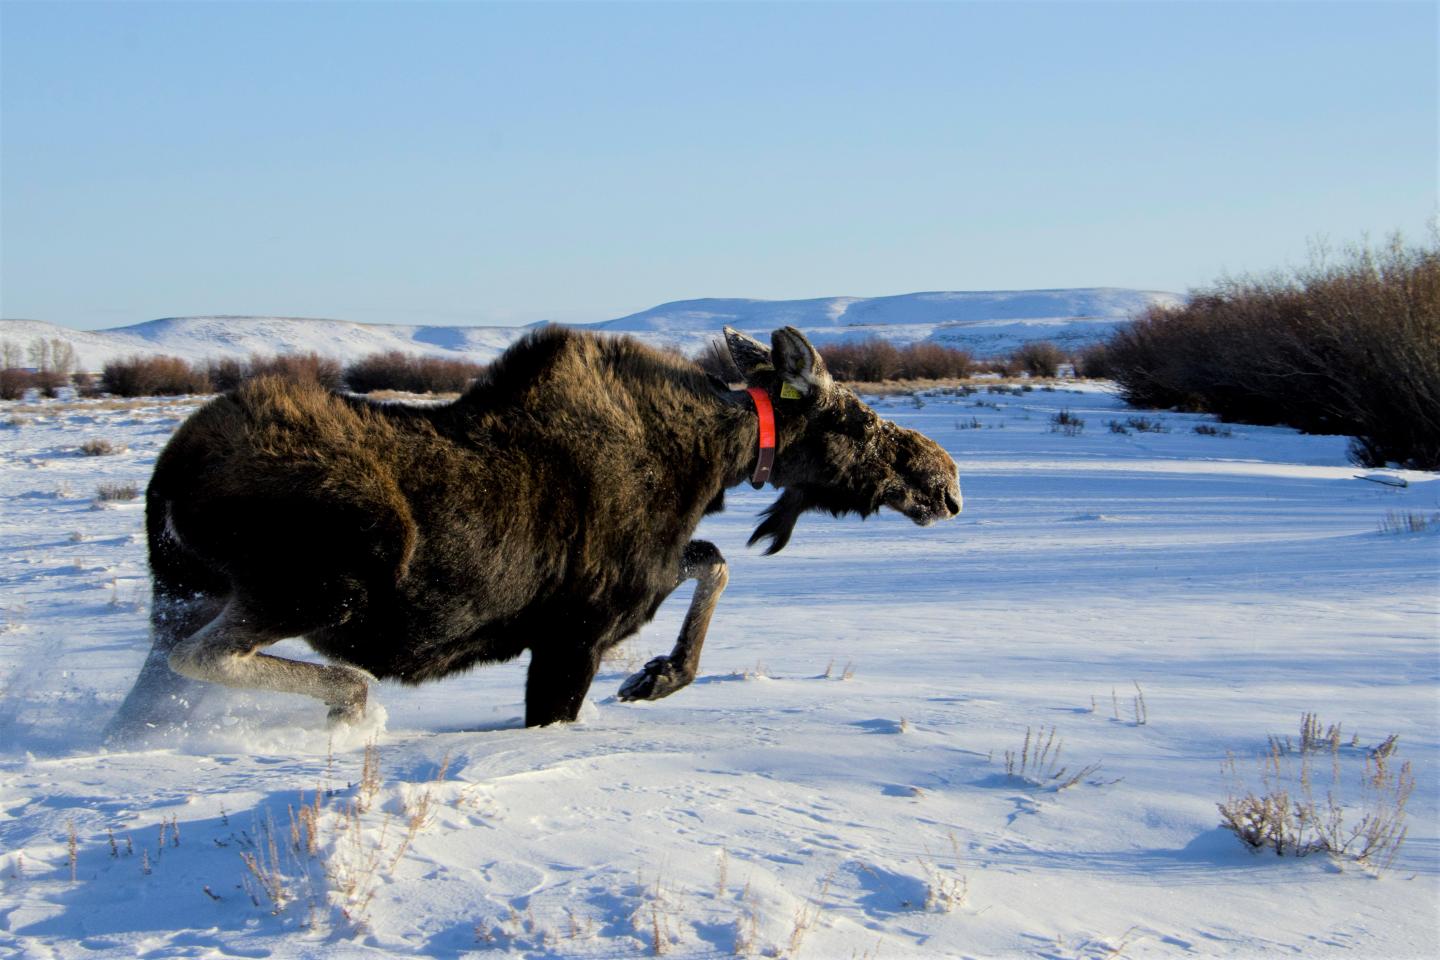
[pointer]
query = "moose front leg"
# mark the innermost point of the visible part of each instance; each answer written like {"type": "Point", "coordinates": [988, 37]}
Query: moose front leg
{"type": "Point", "coordinates": [664, 675]}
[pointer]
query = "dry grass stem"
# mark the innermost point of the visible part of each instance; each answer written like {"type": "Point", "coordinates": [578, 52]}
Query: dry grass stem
{"type": "Point", "coordinates": [1409, 521]}
{"type": "Point", "coordinates": [72, 847]}
{"type": "Point", "coordinates": [1038, 761]}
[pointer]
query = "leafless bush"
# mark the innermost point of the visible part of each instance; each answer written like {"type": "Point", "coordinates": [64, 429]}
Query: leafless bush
{"type": "Point", "coordinates": [1365, 824]}
{"type": "Point", "coordinates": [299, 367]}
{"type": "Point", "coordinates": [1092, 362]}
{"type": "Point", "coordinates": [413, 374]}
{"type": "Point", "coordinates": [1210, 430]}
{"type": "Point", "coordinates": [14, 381]}
{"type": "Point", "coordinates": [945, 888]}
{"type": "Point", "coordinates": [139, 376]}
{"type": "Point", "coordinates": [1344, 347]}
{"type": "Point", "coordinates": [163, 375]}
{"type": "Point", "coordinates": [933, 361]}
{"type": "Point", "coordinates": [1001, 366]}
{"type": "Point", "coordinates": [116, 491]}
{"type": "Point", "coordinates": [872, 359]}
{"type": "Point", "coordinates": [1039, 358]}
{"type": "Point", "coordinates": [97, 447]}
{"type": "Point", "coordinates": [85, 384]}
{"type": "Point", "coordinates": [1409, 521]}
{"type": "Point", "coordinates": [1067, 423]}
{"type": "Point", "coordinates": [226, 373]}
{"type": "Point", "coordinates": [876, 360]}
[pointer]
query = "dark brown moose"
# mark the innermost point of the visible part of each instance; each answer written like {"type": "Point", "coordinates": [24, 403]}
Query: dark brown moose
{"type": "Point", "coordinates": [549, 508]}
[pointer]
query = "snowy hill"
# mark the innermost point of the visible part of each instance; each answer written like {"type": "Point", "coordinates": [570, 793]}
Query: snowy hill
{"type": "Point", "coordinates": [986, 323]}
{"type": "Point", "coordinates": [199, 338]}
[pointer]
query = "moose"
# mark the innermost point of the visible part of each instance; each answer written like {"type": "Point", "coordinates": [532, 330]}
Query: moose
{"type": "Point", "coordinates": [549, 508]}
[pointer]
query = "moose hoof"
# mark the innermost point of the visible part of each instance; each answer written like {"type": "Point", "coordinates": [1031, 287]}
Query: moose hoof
{"type": "Point", "coordinates": [660, 678]}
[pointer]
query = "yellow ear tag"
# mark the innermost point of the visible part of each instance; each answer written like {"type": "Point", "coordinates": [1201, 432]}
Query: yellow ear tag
{"type": "Point", "coordinates": [787, 392]}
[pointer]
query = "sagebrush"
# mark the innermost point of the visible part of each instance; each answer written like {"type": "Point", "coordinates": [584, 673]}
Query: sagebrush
{"type": "Point", "coordinates": [1362, 819]}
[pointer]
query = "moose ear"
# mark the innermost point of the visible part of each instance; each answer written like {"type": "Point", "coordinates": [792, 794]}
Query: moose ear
{"type": "Point", "coordinates": [748, 353]}
{"type": "Point", "coordinates": [798, 362]}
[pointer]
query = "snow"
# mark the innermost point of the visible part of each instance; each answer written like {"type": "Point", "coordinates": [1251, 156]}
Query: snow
{"type": "Point", "coordinates": [834, 785]}
{"type": "Point", "coordinates": [987, 323]}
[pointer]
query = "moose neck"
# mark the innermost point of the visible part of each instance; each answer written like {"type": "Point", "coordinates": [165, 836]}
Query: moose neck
{"type": "Point", "coordinates": [715, 436]}
{"type": "Point", "coordinates": [742, 422]}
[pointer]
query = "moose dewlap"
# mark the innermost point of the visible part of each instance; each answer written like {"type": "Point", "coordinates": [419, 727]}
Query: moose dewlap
{"type": "Point", "coordinates": [550, 508]}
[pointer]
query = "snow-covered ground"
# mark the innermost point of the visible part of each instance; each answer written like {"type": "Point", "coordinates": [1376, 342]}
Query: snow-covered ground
{"type": "Point", "coordinates": [836, 783]}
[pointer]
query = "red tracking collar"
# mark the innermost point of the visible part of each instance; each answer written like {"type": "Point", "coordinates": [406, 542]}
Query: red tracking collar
{"type": "Point", "coordinates": [766, 413]}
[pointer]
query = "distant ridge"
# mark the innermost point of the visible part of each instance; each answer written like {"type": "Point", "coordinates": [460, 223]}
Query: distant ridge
{"type": "Point", "coordinates": [984, 322]}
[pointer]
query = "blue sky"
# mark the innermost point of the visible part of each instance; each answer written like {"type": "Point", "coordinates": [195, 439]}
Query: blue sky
{"type": "Point", "coordinates": [493, 163]}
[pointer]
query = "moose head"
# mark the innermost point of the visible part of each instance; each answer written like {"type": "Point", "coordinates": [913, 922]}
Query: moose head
{"type": "Point", "coordinates": [834, 453]}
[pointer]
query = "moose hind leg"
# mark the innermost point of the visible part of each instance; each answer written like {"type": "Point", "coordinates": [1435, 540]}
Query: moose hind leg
{"type": "Point", "coordinates": [225, 651]}
{"type": "Point", "coordinates": [557, 683]}
{"type": "Point", "coordinates": [664, 675]}
{"type": "Point", "coordinates": [160, 696]}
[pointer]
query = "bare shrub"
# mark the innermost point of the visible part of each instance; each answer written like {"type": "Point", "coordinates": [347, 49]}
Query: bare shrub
{"type": "Point", "coordinates": [876, 360]}
{"type": "Point", "coordinates": [1093, 362]}
{"type": "Point", "coordinates": [116, 491]}
{"type": "Point", "coordinates": [413, 374]}
{"type": "Point", "coordinates": [299, 367]}
{"type": "Point", "coordinates": [1409, 521]}
{"type": "Point", "coordinates": [872, 360]}
{"type": "Point", "coordinates": [945, 890]}
{"type": "Point", "coordinates": [1210, 430]}
{"type": "Point", "coordinates": [85, 384]}
{"type": "Point", "coordinates": [1067, 423]}
{"type": "Point", "coordinates": [225, 374]}
{"type": "Point", "coordinates": [1344, 347]}
{"type": "Point", "coordinates": [14, 381]}
{"type": "Point", "coordinates": [1365, 824]}
{"type": "Point", "coordinates": [97, 447]}
{"type": "Point", "coordinates": [1039, 358]}
{"type": "Point", "coordinates": [1001, 366]}
{"type": "Point", "coordinates": [1146, 425]}
{"type": "Point", "coordinates": [161, 375]}
{"type": "Point", "coordinates": [934, 361]}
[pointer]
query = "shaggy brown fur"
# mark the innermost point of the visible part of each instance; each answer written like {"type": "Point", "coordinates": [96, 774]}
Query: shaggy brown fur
{"type": "Point", "coordinates": [549, 508]}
